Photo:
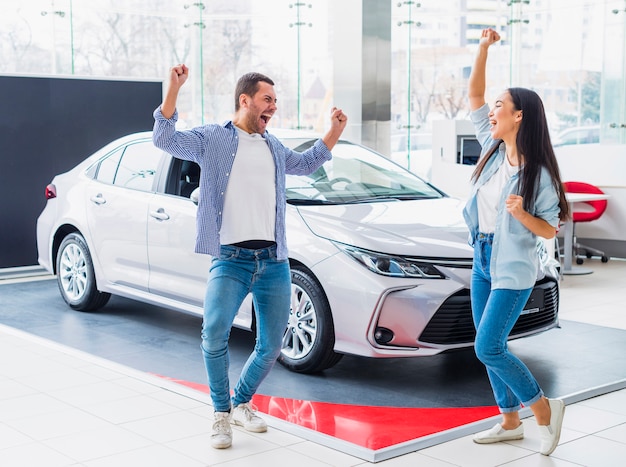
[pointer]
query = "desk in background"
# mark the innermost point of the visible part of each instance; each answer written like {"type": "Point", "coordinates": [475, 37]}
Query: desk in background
{"type": "Point", "coordinates": [568, 235]}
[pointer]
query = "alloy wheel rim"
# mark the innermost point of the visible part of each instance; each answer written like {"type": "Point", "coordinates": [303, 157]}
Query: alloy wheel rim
{"type": "Point", "coordinates": [301, 330]}
{"type": "Point", "coordinates": [73, 272]}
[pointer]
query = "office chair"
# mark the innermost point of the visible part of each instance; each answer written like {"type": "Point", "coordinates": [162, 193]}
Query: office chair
{"type": "Point", "coordinates": [594, 210]}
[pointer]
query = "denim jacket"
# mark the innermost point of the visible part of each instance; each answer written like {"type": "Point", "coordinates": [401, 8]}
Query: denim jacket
{"type": "Point", "coordinates": [514, 261]}
{"type": "Point", "coordinates": [213, 147]}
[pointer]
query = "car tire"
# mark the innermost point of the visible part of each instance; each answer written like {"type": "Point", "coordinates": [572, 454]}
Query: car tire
{"type": "Point", "coordinates": [310, 336]}
{"type": "Point", "coordinates": [75, 275]}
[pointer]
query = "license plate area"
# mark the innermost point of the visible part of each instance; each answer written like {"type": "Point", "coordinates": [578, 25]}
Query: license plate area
{"type": "Point", "coordinates": [535, 302]}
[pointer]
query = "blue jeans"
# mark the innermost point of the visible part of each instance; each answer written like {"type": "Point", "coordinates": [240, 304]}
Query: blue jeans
{"type": "Point", "coordinates": [495, 313]}
{"type": "Point", "coordinates": [234, 274]}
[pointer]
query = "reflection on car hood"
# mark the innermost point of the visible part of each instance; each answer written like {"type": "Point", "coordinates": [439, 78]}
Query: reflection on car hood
{"type": "Point", "coordinates": [432, 228]}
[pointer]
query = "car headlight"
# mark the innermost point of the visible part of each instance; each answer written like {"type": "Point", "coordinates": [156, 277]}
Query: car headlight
{"type": "Point", "coordinates": [390, 265]}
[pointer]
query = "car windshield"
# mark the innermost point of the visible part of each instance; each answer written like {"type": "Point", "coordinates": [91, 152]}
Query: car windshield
{"type": "Point", "coordinates": [356, 175]}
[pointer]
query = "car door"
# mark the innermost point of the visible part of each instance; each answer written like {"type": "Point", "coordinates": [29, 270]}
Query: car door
{"type": "Point", "coordinates": [117, 211]}
{"type": "Point", "coordinates": [176, 271]}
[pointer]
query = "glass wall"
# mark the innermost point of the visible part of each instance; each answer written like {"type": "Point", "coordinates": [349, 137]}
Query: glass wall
{"type": "Point", "coordinates": [613, 101]}
{"type": "Point", "coordinates": [570, 51]}
{"type": "Point", "coordinates": [141, 39]}
{"type": "Point", "coordinates": [559, 48]}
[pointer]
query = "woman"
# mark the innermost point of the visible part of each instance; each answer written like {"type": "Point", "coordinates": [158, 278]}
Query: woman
{"type": "Point", "coordinates": [516, 196]}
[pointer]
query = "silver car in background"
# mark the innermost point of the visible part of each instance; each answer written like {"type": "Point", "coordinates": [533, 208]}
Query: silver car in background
{"type": "Point", "coordinates": [379, 258]}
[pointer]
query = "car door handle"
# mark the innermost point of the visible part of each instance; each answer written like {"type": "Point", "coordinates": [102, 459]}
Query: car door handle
{"type": "Point", "coordinates": [160, 214]}
{"type": "Point", "coordinates": [98, 199]}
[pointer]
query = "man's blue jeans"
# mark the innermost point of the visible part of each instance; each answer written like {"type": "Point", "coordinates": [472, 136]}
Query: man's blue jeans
{"type": "Point", "coordinates": [495, 313]}
{"type": "Point", "coordinates": [237, 272]}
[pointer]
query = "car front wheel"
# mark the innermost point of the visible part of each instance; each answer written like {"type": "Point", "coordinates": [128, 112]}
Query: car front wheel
{"type": "Point", "coordinates": [75, 275]}
{"type": "Point", "coordinates": [310, 336]}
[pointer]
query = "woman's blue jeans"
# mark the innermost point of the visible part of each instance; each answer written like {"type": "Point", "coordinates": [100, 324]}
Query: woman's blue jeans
{"type": "Point", "coordinates": [495, 313]}
{"type": "Point", "coordinates": [234, 274]}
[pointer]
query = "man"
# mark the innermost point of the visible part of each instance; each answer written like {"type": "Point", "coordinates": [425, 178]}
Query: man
{"type": "Point", "coordinates": [241, 223]}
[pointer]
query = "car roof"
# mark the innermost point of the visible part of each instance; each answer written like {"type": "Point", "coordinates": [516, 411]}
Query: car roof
{"type": "Point", "coordinates": [579, 128]}
{"type": "Point", "coordinates": [289, 137]}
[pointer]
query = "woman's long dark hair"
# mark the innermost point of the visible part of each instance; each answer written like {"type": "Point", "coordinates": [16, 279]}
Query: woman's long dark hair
{"type": "Point", "coordinates": [533, 143]}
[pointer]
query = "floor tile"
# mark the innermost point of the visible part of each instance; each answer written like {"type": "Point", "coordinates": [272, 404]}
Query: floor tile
{"type": "Point", "coordinates": [153, 456]}
{"type": "Point", "coordinates": [30, 405]}
{"type": "Point", "coordinates": [617, 433]}
{"type": "Point", "coordinates": [94, 393]}
{"type": "Point", "coordinates": [244, 445]}
{"type": "Point", "coordinates": [130, 409]}
{"type": "Point", "coordinates": [538, 460]}
{"type": "Point", "coordinates": [95, 444]}
{"type": "Point", "coordinates": [413, 459]}
{"type": "Point", "coordinates": [275, 458]}
{"type": "Point", "coordinates": [614, 402]}
{"type": "Point", "coordinates": [464, 452]}
{"type": "Point", "coordinates": [170, 427]}
{"type": "Point", "coordinates": [34, 454]}
{"type": "Point", "coordinates": [177, 400]}
{"type": "Point", "coordinates": [10, 437]}
{"type": "Point", "coordinates": [10, 388]}
{"type": "Point", "coordinates": [58, 377]}
{"type": "Point", "coordinates": [593, 451]}
{"type": "Point", "coordinates": [55, 424]}
{"type": "Point", "coordinates": [590, 420]}
{"type": "Point", "coordinates": [324, 454]}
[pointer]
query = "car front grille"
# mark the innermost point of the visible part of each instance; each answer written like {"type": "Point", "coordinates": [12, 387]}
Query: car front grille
{"type": "Point", "coordinates": [452, 323]}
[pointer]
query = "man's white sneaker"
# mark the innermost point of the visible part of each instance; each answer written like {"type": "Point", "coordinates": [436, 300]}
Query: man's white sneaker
{"type": "Point", "coordinates": [222, 436]}
{"type": "Point", "coordinates": [244, 415]}
{"type": "Point", "coordinates": [550, 434]}
{"type": "Point", "coordinates": [497, 434]}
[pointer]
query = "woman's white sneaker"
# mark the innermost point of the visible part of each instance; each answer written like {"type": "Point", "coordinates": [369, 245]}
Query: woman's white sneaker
{"type": "Point", "coordinates": [550, 434]}
{"type": "Point", "coordinates": [498, 434]}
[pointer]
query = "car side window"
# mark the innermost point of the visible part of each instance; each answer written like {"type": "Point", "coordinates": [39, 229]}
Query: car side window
{"type": "Point", "coordinates": [189, 178]}
{"type": "Point", "coordinates": [108, 167]}
{"type": "Point", "coordinates": [183, 178]}
{"type": "Point", "coordinates": [138, 166]}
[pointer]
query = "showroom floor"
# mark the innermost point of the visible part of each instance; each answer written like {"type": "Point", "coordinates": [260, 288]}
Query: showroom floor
{"type": "Point", "coordinates": [64, 407]}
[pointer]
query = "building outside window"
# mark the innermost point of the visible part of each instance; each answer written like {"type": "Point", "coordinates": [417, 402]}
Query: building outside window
{"type": "Point", "coordinates": [570, 51]}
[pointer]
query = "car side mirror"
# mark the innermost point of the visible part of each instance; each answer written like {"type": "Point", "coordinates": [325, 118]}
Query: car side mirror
{"type": "Point", "coordinates": [195, 196]}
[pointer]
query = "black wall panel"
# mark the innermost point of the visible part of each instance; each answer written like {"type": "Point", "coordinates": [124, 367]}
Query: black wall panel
{"type": "Point", "coordinates": [48, 125]}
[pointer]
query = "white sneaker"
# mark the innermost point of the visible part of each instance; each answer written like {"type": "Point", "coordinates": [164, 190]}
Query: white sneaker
{"type": "Point", "coordinates": [222, 436]}
{"type": "Point", "coordinates": [551, 433]}
{"type": "Point", "coordinates": [244, 415]}
{"type": "Point", "coordinates": [497, 434]}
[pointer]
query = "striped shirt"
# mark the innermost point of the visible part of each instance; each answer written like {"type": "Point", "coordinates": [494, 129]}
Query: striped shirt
{"type": "Point", "coordinates": [213, 147]}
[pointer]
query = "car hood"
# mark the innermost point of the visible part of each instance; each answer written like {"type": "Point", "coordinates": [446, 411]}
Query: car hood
{"type": "Point", "coordinates": [430, 228]}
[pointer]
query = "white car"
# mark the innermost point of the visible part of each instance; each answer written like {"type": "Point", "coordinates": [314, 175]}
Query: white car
{"type": "Point", "coordinates": [578, 135]}
{"type": "Point", "coordinates": [379, 258]}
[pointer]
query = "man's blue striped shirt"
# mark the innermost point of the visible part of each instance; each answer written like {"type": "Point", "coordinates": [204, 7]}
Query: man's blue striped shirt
{"type": "Point", "coordinates": [214, 147]}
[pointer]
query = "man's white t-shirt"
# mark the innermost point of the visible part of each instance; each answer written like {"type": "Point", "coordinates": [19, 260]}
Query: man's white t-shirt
{"type": "Point", "coordinates": [250, 199]}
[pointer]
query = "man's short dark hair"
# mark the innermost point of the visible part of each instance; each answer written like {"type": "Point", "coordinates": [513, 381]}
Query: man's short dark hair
{"type": "Point", "coordinates": [249, 84]}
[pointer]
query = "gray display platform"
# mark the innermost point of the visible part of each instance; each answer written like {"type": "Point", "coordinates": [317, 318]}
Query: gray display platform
{"type": "Point", "coordinates": [575, 361]}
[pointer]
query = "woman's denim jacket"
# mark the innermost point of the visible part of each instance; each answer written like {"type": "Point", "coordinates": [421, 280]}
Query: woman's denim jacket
{"type": "Point", "coordinates": [514, 260]}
